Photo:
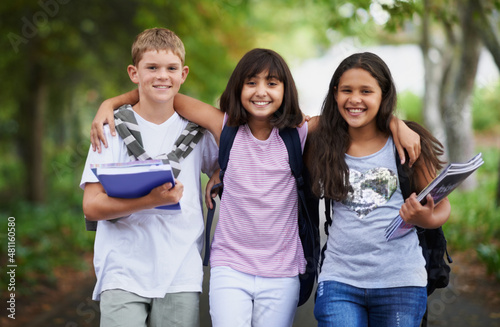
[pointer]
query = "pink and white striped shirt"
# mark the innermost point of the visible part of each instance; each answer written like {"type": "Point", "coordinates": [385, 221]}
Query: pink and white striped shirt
{"type": "Point", "coordinates": [257, 231]}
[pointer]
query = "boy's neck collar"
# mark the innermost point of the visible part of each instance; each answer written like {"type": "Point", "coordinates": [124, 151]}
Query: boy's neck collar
{"type": "Point", "coordinates": [157, 114]}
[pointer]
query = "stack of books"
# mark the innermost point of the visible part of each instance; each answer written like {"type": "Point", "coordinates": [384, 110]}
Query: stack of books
{"type": "Point", "coordinates": [134, 179]}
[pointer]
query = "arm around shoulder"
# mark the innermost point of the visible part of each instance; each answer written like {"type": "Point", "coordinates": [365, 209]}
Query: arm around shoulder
{"type": "Point", "coordinates": [200, 113]}
{"type": "Point", "coordinates": [312, 124]}
{"type": "Point", "coordinates": [405, 139]}
{"type": "Point", "coordinates": [105, 115]}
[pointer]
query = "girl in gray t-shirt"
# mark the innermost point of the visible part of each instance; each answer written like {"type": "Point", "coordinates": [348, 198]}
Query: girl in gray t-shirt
{"type": "Point", "coordinates": [365, 280]}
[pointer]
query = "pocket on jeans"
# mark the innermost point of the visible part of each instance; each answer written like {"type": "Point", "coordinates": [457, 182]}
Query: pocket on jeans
{"type": "Point", "coordinates": [319, 291]}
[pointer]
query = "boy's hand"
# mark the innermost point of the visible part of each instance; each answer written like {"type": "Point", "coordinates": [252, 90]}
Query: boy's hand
{"type": "Point", "coordinates": [212, 189]}
{"type": "Point", "coordinates": [405, 139]}
{"type": "Point", "coordinates": [304, 119]}
{"type": "Point", "coordinates": [104, 115]}
{"type": "Point", "coordinates": [166, 194]}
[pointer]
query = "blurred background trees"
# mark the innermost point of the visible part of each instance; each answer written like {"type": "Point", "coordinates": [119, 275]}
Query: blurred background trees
{"type": "Point", "coordinates": [61, 58]}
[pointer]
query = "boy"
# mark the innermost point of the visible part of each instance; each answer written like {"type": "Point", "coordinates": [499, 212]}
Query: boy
{"type": "Point", "coordinates": [147, 263]}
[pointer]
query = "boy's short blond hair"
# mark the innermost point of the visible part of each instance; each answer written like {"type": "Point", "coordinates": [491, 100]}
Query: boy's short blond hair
{"type": "Point", "coordinates": [157, 39]}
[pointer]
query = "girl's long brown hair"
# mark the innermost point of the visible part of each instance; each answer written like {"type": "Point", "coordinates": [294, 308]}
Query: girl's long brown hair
{"type": "Point", "coordinates": [431, 152]}
{"type": "Point", "coordinates": [326, 148]}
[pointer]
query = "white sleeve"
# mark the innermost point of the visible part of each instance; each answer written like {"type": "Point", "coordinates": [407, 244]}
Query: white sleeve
{"type": "Point", "coordinates": [210, 154]}
{"type": "Point", "coordinates": [106, 156]}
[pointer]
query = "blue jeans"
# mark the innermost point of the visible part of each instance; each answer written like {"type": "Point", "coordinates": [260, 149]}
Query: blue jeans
{"type": "Point", "coordinates": [339, 304]}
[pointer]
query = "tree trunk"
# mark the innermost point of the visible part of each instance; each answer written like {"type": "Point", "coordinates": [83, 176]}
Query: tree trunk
{"type": "Point", "coordinates": [433, 75]}
{"type": "Point", "coordinates": [457, 106]}
{"type": "Point", "coordinates": [487, 27]}
{"type": "Point", "coordinates": [31, 126]}
{"type": "Point", "coordinates": [498, 186]}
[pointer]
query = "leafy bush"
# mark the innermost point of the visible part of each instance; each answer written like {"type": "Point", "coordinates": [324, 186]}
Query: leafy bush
{"type": "Point", "coordinates": [485, 104]}
{"type": "Point", "coordinates": [46, 237]}
{"type": "Point", "coordinates": [490, 254]}
{"type": "Point", "coordinates": [410, 107]}
{"type": "Point", "coordinates": [50, 235]}
{"type": "Point", "coordinates": [475, 219]}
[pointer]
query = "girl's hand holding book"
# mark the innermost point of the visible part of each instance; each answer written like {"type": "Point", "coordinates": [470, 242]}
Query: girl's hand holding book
{"type": "Point", "coordinates": [428, 216]}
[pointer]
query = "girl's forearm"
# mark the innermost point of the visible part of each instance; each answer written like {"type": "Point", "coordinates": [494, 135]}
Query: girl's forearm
{"type": "Point", "coordinates": [131, 97]}
{"type": "Point", "coordinates": [200, 113]}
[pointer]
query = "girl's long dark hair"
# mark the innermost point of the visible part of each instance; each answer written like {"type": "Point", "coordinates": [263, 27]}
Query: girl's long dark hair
{"type": "Point", "coordinates": [251, 64]}
{"type": "Point", "coordinates": [431, 152]}
{"type": "Point", "coordinates": [325, 155]}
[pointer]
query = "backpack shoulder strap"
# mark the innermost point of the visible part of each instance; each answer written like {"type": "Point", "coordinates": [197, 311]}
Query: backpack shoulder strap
{"type": "Point", "coordinates": [291, 139]}
{"type": "Point", "coordinates": [328, 223]}
{"type": "Point", "coordinates": [225, 144]}
{"type": "Point", "coordinates": [404, 179]}
{"type": "Point", "coordinates": [308, 215]}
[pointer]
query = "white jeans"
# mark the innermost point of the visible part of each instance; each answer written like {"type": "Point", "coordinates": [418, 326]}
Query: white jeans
{"type": "Point", "coordinates": [242, 300]}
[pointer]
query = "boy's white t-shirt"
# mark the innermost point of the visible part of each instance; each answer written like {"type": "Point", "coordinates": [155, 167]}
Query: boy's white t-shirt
{"type": "Point", "coordinates": [154, 252]}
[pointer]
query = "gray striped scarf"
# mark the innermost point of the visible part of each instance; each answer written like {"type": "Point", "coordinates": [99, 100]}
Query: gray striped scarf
{"type": "Point", "coordinates": [127, 127]}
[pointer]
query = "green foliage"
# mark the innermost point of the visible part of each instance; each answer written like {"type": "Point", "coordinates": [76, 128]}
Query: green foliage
{"type": "Point", "coordinates": [409, 107]}
{"type": "Point", "coordinates": [47, 237]}
{"type": "Point", "coordinates": [475, 219]}
{"type": "Point", "coordinates": [485, 115]}
{"type": "Point", "coordinates": [485, 104]}
{"type": "Point", "coordinates": [51, 235]}
{"type": "Point", "coordinates": [490, 254]}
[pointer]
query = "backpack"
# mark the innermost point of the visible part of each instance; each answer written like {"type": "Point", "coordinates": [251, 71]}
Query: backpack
{"type": "Point", "coordinates": [308, 218]}
{"type": "Point", "coordinates": [432, 242]}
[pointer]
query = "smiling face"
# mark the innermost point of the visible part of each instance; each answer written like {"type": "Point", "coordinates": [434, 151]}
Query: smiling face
{"type": "Point", "coordinates": [159, 76]}
{"type": "Point", "coordinates": [358, 97]}
{"type": "Point", "coordinates": [262, 95]}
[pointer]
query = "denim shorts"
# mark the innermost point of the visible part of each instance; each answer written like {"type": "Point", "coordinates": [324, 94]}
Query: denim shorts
{"type": "Point", "coordinates": [339, 304]}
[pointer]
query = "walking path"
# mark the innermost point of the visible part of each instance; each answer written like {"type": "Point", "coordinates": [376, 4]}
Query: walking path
{"type": "Point", "coordinates": [471, 299]}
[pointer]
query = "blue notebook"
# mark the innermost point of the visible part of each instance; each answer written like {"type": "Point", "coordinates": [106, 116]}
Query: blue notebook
{"type": "Point", "coordinates": [134, 179]}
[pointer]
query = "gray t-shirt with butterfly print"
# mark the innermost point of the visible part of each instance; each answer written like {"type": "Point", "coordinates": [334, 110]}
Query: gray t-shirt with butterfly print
{"type": "Point", "coordinates": [357, 252]}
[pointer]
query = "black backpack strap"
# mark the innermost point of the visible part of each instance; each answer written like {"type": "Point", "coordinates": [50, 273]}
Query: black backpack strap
{"type": "Point", "coordinates": [208, 226]}
{"type": "Point", "coordinates": [308, 216]}
{"type": "Point", "coordinates": [328, 223]}
{"type": "Point", "coordinates": [291, 139]}
{"type": "Point", "coordinates": [225, 144]}
{"type": "Point", "coordinates": [328, 215]}
{"type": "Point", "coordinates": [404, 179]}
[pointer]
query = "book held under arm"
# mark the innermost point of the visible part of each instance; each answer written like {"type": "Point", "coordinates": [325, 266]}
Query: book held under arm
{"type": "Point", "coordinates": [448, 180]}
{"type": "Point", "coordinates": [134, 179]}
